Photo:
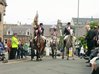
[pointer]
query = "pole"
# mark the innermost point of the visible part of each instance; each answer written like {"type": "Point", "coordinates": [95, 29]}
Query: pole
{"type": "Point", "coordinates": [78, 14]}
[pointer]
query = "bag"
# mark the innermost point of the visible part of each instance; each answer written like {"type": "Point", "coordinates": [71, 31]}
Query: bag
{"type": "Point", "coordinates": [82, 50]}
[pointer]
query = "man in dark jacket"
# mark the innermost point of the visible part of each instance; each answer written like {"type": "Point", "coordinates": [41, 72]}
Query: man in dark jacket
{"type": "Point", "coordinates": [96, 38]}
{"type": "Point", "coordinates": [90, 40]}
{"type": "Point", "coordinates": [67, 29]}
{"type": "Point", "coordinates": [39, 31]}
{"type": "Point", "coordinates": [41, 25]}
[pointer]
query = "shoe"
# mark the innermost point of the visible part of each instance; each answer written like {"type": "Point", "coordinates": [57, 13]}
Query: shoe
{"type": "Point", "coordinates": [86, 58]}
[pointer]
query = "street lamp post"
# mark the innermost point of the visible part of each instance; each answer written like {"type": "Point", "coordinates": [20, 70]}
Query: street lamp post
{"type": "Point", "coordinates": [77, 18]}
{"type": "Point", "coordinates": [78, 14]}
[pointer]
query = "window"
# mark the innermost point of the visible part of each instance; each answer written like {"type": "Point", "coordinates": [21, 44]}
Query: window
{"type": "Point", "coordinates": [5, 41]}
{"type": "Point", "coordinates": [8, 32]}
{"type": "Point", "coordinates": [27, 33]}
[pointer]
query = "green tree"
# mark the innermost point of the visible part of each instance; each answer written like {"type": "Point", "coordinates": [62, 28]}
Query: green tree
{"type": "Point", "coordinates": [83, 42]}
{"type": "Point", "coordinates": [93, 24]}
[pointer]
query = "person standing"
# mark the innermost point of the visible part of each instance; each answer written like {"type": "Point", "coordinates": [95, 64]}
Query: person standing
{"type": "Point", "coordinates": [14, 46]}
{"type": "Point", "coordinates": [1, 45]}
{"type": "Point", "coordinates": [25, 49]}
{"type": "Point", "coordinates": [2, 49]}
{"type": "Point", "coordinates": [32, 46]}
{"type": "Point", "coordinates": [9, 47]}
{"type": "Point", "coordinates": [96, 37]}
{"type": "Point", "coordinates": [19, 50]}
{"type": "Point", "coordinates": [90, 40]}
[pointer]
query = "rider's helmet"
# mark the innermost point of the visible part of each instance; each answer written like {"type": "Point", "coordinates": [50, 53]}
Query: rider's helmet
{"type": "Point", "coordinates": [41, 24]}
{"type": "Point", "coordinates": [68, 23]}
{"type": "Point", "coordinates": [55, 29]}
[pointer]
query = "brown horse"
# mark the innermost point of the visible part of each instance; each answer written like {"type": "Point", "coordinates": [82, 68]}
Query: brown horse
{"type": "Point", "coordinates": [40, 44]}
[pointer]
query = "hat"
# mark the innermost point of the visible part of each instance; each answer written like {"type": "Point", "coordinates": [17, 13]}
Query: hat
{"type": "Point", "coordinates": [15, 34]}
{"type": "Point", "coordinates": [68, 23]}
{"type": "Point", "coordinates": [41, 24]}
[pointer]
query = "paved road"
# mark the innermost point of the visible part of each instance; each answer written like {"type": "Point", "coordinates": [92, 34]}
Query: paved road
{"type": "Point", "coordinates": [47, 66]}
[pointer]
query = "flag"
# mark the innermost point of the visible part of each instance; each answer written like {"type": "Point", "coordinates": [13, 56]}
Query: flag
{"type": "Point", "coordinates": [35, 23]}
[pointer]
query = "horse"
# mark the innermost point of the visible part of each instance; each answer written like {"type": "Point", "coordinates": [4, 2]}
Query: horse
{"type": "Point", "coordinates": [70, 43]}
{"type": "Point", "coordinates": [40, 46]}
{"type": "Point", "coordinates": [53, 45]}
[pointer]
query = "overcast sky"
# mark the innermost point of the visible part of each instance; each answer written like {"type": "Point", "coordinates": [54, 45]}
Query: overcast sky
{"type": "Point", "coordinates": [49, 10]}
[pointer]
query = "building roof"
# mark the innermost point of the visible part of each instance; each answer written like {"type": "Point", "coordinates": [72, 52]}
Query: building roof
{"type": "Point", "coordinates": [3, 2]}
{"type": "Point", "coordinates": [83, 21]}
{"type": "Point", "coordinates": [19, 29]}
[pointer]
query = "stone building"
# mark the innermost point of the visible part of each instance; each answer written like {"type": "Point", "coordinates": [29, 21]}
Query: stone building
{"type": "Point", "coordinates": [80, 27]}
{"type": "Point", "coordinates": [3, 5]}
{"type": "Point", "coordinates": [24, 32]}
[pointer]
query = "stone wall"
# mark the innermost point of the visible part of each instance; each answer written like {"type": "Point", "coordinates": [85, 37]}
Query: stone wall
{"type": "Point", "coordinates": [2, 10]}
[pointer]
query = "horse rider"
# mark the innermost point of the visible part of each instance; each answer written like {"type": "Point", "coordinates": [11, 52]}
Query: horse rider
{"type": "Point", "coordinates": [53, 42]}
{"type": "Point", "coordinates": [67, 32]}
{"type": "Point", "coordinates": [70, 40]}
{"type": "Point", "coordinates": [54, 35]}
{"type": "Point", "coordinates": [39, 31]}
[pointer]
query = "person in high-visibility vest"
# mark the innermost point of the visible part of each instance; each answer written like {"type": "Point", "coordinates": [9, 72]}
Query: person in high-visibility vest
{"type": "Point", "coordinates": [14, 44]}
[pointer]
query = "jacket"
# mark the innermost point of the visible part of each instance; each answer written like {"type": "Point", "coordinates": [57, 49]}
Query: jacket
{"type": "Point", "coordinates": [14, 42]}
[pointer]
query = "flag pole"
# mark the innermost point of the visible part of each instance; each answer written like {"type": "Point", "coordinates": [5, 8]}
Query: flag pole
{"type": "Point", "coordinates": [78, 13]}
{"type": "Point", "coordinates": [35, 23]}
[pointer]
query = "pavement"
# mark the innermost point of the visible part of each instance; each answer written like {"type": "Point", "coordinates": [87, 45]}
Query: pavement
{"type": "Point", "coordinates": [46, 66]}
